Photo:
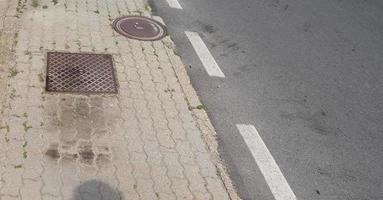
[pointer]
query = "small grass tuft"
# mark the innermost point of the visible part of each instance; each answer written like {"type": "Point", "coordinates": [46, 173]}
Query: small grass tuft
{"type": "Point", "coordinates": [6, 127]}
{"type": "Point", "coordinates": [18, 166]}
{"type": "Point", "coordinates": [13, 72]}
{"type": "Point", "coordinates": [25, 144]}
{"type": "Point", "coordinates": [201, 107]}
{"type": "Point", "coordinates": [26, 126]}
{"type": "Point", "coordinates": [35, 3]}
{"type": "Point", "coordinates": [41, 77]}
{"type": "Point", "coordinates": [147, 7]}
{"type": "Point", "coordinates": [13, 94]}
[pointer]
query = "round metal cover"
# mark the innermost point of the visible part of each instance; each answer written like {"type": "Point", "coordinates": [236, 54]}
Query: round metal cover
{"type": "Point", "coordinates": [139, 28]}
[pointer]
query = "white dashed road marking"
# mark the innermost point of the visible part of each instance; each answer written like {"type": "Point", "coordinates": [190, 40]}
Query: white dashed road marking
{"type": "Point", "coordinates": [266, 163]}
{"type": "Point", "coordinates": [174, 4]}
{"type": "Point", "coordinates": [204, 55]}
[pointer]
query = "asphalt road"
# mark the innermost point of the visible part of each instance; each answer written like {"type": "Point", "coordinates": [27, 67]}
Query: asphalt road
{"type": "Point", "coordinates": [308, 74]}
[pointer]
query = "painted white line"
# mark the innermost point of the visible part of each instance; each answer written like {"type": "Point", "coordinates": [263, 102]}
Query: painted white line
{"type": "Point", "coordinates": [266, 163]}
{"type": "Point", "coordinates": [204, 55]}
{"type": "Point", "coordinates": [174, 4]}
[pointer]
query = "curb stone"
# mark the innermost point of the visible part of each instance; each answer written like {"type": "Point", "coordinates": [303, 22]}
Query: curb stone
{"type": "Point", "coordinates": [200, 115]}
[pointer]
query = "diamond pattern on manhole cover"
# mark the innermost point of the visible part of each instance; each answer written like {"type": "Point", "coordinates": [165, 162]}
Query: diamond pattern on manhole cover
{"type": "Point", "coordinates": [80, 72]}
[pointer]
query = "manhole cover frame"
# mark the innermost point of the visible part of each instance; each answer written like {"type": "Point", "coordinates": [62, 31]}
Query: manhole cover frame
{"type": "Point", "coordinates": [123, 33]}
{"type": "Point", "coordinates": [82, 91]}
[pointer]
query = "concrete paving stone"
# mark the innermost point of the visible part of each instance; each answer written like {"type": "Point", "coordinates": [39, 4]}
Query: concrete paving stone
{"type": "Point", "coordinates": [165, 139]}
{"type": "Point", "coordinates": [181, 188]}
{"type": "Point", "coordinates": [12, 180]}
{"type": "Point", "coordinates": [131, 5]}
{"type": "Point", "coordinates": [31, 190]}
{"type": "Point", "coordinates": [145, 188]}
{"type": "Point", "coordinates": [207, 169]}
{"type": "Point", "coordinates": [161, 195]}
{"type": "Point", "coordinates": [173, 164]}
{"type": "Point", "coordinates": [186, 153]}
{"type": "Point", "coordinates": [6, 197]}
{"type": "Point", "coordinates": [161, 180]}
{"type": "Point", "coordinates": [196, 141]}
{"type": "Point", "coordinates": [216, 188]}
{"type": "Point", "coordinates": [197, 183]}
{"type": "Point", "coordinates": [152, 150]}
{"type": "Point", "coordinates": [141, 167]}
{"type": "Point", "coordinates": [69, 176]}
{"type": "Point", "coordinates": [135, 143]}
{"type": "Point", "coordinates": [127, 191]}
{"type": "Point", "coordinates": [178, 131]}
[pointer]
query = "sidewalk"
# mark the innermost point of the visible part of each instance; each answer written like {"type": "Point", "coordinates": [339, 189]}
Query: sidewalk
{"type": "Point", "coordinates": [147, 142]}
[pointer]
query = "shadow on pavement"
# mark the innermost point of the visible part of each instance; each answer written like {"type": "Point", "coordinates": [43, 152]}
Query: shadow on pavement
{"type": "Point", "coordinates": [95, 190]}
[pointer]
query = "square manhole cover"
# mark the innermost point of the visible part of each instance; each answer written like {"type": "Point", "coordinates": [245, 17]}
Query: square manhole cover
{"type": "Point", "coordinates": [80, 72]}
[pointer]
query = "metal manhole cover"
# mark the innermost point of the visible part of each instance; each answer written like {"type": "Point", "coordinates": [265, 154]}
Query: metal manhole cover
{"type": "Point", "coordinates": [80, 72]}
{"type": "Point", "coordinates": [139, 28]}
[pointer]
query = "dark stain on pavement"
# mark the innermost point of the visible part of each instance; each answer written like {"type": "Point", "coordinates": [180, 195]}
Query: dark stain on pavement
{"type": "Point", "coordinates": [96, 190]}
{"type": "Point", "coordinates": [86, 156]}
{"type": "Point", "coordinates": [53, 152]}
{"type": "Point", "coordinates": [86, 153]}
{"type": "Point", "coordinates": [274, 3]}
{"type": "Point", "coordinates": [233, 46]}
{"type": "Point", "coordinates": [307, 27]}
{"type": "Point", "coordinates": [343, 175]}
{"type": "Point", "coordinates": [285, 7]}
{"type": "Point", "coordinates": [318, 122]}
{"type": "Point", "coordinates": [103, 159]}
{"type": "Point", "coordinates": [245, 69]}
{"type": "Point", "coordinates": [207, 28]}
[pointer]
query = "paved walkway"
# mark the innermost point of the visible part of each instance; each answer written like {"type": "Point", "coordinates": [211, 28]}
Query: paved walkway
{"type": "Point", "coordinates": [148, 142]}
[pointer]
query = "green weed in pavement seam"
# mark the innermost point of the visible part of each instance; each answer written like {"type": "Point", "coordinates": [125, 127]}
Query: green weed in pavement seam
{"type": "Point", "coordinates": [13, 72]}
{"type": "Point", "coordinates": [18, 166]}
{"type": "Point", "coordinates": [6, 127]}
{"type": "Point", "coordinates": [41, 77]}
{"type": "Point", "coordinates": [26, 127]}
{"type": "Point", "coordinates": [201, 107]}
{"type": "Point", "coordinates": [35, 3]}
{"type": "Point", "coordinates": [13, 94]}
